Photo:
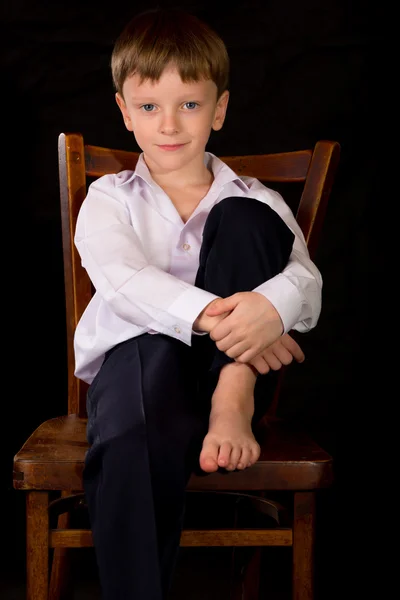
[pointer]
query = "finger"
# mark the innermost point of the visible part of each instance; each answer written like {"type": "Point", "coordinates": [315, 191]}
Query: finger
{"type": "Point", "coordinates": [272, 360]}
{"type": "Point", "coordinates": [260, 365]}
{"type": "Point", "coordinates": [222, 330]}
{"type": "Point", "coordinates": [237, 350]}
{"type": "Point", "coordinates": [293, 347]}
{"type": "Point", "coordinates": [282, 355]}
{"type": "Point", "coordinates": [222, 305]}
{"type": "Point", "coordinates": [248, 355]}
{"type": "Point", "coordinates": [227, 342]}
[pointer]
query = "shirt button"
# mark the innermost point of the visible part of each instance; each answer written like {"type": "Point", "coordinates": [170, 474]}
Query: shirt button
{"type": "Point", "coordinates": [186, 247]}
{"type": "Point", "coordinates": [177, 330]}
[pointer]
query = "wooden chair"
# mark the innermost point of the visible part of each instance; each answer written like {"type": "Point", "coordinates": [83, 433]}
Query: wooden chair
{"type": "Point", "coordinates": [48, 467]}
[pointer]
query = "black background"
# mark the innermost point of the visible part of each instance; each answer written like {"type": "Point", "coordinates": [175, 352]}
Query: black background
{"type": "Point", "coordinates": [300, 72]}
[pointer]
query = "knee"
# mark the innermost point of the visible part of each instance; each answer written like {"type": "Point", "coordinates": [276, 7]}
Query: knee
{"type": "Point", "coordinates": [244, 211]}
{"type": "Point", "coordinates": [238, 205]}
{"type": "Point", "coordinates": [237, 223]}
{"type": "Point", "coordinates": [238, 214]}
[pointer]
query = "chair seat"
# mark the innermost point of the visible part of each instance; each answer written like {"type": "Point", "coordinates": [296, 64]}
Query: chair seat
{"type": "Point", "coordinates": [53, 459]}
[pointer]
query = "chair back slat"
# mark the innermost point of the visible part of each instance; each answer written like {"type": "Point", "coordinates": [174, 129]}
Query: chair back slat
{"type": "Point", "coordinates": [104, 161]}
{"type": "Point", "coordinates": [283, 167]}
{"type": "Point", "coordinates": [315, 168]}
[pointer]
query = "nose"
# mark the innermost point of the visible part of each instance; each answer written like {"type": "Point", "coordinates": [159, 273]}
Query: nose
{"type": "Point", "coordinates": [169, 124]}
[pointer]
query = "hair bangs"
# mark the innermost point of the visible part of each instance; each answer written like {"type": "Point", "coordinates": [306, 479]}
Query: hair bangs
{"type": "Point", "coordinates": [155, 40]}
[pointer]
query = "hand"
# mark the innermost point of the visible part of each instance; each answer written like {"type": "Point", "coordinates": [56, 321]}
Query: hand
{"type": "Point", "coordinates": [252, 325]}
{"type": "Point", "coordinates": [281, 352]}
{"type": "Point", "coordinates": [206, 323]}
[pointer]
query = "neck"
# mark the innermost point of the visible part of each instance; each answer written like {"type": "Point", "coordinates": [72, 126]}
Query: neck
{"type": "Point", "coordinates": [192, 175]}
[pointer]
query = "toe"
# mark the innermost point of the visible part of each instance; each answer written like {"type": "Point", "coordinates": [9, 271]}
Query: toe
{"type": "Point", "coordinates": [245, 457]}
{"type": "Point", "coordinates": [209, 456]}
{"type": "Point", "coordinates": [224, 454]}
{"type": "Point", "coordinates": [234, 459]}
{"type": "Point", "coordinates": [255, 453]}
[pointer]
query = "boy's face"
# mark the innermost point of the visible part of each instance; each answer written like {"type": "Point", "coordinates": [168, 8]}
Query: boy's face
{"type": "Point", "coordinates": [172, 120]}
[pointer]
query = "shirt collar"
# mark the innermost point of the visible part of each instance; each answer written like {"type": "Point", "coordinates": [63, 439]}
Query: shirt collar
{"type": "Point", "coordinates": [222, 173]}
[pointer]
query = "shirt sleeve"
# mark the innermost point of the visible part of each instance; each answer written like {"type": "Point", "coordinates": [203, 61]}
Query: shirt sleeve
{"type": "Point", "coordinates": [115, 260]}
{"type": "Point", "coordinates": [296, 291]}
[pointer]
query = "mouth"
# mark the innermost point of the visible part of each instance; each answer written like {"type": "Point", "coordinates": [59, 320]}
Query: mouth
{"type": "Point", "coordinates": [170, 147]}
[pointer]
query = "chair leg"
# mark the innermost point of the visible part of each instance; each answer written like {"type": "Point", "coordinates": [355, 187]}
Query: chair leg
{"type": "Point", "coordinates": [235, 589]}
{"type": "Point", "coordinates": [37, 546]}
{"type": "Point", "coordinates": [60, 566]}
{"type": "Point", "coordinates": [251, 577]}
{"type": "Point", "coordinates": [246, 574]}
{"type": "Point", "coordinates": [303, 545]}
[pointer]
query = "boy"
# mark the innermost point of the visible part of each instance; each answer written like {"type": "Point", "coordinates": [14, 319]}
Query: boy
{"type": "Point", "coordinates": [178, 249]}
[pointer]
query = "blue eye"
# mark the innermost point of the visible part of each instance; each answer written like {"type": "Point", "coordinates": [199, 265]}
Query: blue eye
{"type": "Point", "coordinates": [148, 107]}
{"type": "Point", "coordinates": [191, 105]}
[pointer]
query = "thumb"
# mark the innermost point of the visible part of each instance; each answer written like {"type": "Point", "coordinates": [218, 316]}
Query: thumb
{"type": "Point", "coordinates": [222, 305]}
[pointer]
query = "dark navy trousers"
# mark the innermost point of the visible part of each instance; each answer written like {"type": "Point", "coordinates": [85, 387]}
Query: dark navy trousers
{"type": "Point", "coordinates": [148, 411]}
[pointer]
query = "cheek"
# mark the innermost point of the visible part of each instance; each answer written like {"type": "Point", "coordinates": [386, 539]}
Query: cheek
{"type": "Point", "coordinates": [139, 133]}
{"type": "Point", "coordinates": [140, 129]}
{"type": "Point", "coordinates": [203, 126]}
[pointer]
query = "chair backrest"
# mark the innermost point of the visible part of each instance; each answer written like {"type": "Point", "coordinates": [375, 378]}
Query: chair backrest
{"type": "Point", "coordinates": [77, 161]}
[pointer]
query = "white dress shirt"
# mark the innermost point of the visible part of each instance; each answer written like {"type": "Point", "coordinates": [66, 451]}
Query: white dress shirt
{"type": "Point", "coordinates": [142, 260]}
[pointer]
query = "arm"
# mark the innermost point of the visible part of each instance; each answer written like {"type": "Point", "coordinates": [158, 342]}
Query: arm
{"type": "Point", "coordinates": [291, 299]}
{"type": "Point", "coordinates": [296, 292]}
{"type": "Point", "coordinates": [117, 265]}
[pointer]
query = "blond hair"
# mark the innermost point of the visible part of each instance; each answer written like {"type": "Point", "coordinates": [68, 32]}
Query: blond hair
{"type": "Point", "coordinates": [156, 38]}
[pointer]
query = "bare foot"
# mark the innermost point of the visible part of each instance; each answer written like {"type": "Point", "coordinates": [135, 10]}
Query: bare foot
{"type": "Point", "coordinates": [230, 442]}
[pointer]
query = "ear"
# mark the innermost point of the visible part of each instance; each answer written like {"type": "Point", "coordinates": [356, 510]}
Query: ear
{"type": "Point", "coordinates": [122, 106]}
{"type": "Point", "coordinates": [220, 111]}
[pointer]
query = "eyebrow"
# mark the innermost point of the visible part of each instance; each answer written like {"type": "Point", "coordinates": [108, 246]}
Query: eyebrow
{"type": "Point", "coordinates": [187, 98]}
{"type": "Point", "coordinates": [141, 99]}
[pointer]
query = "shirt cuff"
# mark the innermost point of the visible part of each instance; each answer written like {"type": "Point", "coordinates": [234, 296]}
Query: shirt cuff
{"type": "Point", "coordinates": [185, 310]}
{"type": "Point", "coordinates": [285, 297]}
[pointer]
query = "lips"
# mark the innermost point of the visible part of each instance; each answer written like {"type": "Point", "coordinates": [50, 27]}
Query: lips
{"type": "Point", "coordinates": [170, 147]}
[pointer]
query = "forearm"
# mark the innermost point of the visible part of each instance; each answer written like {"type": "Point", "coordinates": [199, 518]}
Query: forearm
{"type": "Point", "coordinates": [296, 295]}
{"type": "Point", "coordinates": [149, 297]}
{"type": "Point", "coordinates": [296, 291]}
